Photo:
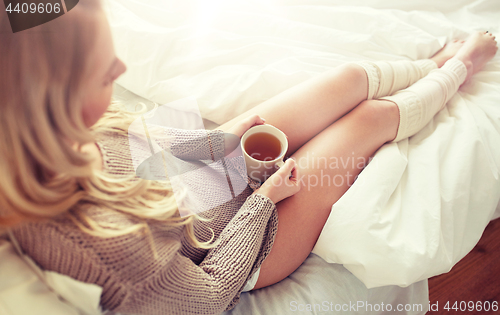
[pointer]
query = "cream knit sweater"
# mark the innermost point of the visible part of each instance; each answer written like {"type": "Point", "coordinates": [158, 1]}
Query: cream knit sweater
{"type": "Point", "coordinates": [182, 279]}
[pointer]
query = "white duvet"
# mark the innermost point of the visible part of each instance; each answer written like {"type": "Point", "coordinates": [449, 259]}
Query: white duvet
{"type": "Point", "coordinates": [420, 205]}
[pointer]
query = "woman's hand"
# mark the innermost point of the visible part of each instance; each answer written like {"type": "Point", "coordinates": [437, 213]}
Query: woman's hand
{"type": "Point", "coordinates": [280, 185]}
{"type": "Point", "coordinates": [233, 135]}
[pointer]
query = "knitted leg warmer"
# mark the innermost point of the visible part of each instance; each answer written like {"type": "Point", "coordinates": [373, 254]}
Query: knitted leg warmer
{"type": "Point", "coordinates": [421, 101]}
{"type": "Point", "coordinates": [387, 77]}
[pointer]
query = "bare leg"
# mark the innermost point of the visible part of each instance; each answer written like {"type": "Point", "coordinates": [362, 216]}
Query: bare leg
{"type": "Point", "coordinates": [315, 104]}
{"type": "Point", "coordinates": [477, 51]}
{"type": "Point", "coordinates": [448, 51]}
{"type": "Point", "coordinates": [320, 101]}
{"type": "Point", "coordinates": [357, 135]}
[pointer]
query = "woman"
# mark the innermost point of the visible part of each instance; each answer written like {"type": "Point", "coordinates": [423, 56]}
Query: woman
{"type": "Point", "coordinates": [76, 207]}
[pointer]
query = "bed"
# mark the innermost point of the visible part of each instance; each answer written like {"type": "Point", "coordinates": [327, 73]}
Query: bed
{"type": "Point", "coordinates": [427, 202]}
{"type": "Point", "coordinates": [434, 194]}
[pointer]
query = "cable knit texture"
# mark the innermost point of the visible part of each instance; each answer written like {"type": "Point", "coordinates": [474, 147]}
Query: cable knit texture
{"type": "Point", "coordinates": [420, 102]}
{"type": "Point", "coordinates": [387, 77]}
{"type": "Point", "coordinates": [182, 279]}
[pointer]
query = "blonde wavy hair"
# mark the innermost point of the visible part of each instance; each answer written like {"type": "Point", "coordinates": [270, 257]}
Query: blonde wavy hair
{"type": "Point", "coordinates": [42, 72]}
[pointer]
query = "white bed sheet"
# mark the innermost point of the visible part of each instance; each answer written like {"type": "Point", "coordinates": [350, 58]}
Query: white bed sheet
{"type": "Point", "coordinates": [425, 201]}
{"type": "Point", "coordinates": [318, 287]}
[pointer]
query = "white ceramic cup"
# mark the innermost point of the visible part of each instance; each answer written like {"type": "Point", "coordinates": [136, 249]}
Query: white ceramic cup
{"type": "Point", "coordinates": [261, 170]}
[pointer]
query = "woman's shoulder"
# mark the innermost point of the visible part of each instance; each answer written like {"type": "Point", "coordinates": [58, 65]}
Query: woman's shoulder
{"type": "Point", "coordinates": [68, 226]}
{"type": "Point", "coordinates": [116, 263]}
{"type": "Point", "coordinates": [55, 245]}
{"type": "Point", "coordinates": [60, 244]}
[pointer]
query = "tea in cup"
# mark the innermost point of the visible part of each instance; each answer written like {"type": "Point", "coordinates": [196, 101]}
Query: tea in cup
{"type": "Point", "coordinates": [264, 147]}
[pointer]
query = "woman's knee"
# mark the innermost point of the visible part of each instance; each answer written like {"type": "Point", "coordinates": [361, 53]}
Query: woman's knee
{"type": "Point", "coordinates": [352, 73]}
{"type": "Point", "coordinates": [380, 115]}
{"type": "Point", "coordinates": [372, 110]}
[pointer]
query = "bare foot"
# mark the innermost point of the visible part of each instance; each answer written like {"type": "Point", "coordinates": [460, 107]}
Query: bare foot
{"type": "Point", "coordinates": [447, 52]}
{"type": "Point", "coordinates": [478, 49]}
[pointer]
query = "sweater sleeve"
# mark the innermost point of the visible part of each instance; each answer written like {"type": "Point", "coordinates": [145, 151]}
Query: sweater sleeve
{"type": "Point", "coordinates": [214, 285]}
{"type": "Point", "coordinates": [196, 144]}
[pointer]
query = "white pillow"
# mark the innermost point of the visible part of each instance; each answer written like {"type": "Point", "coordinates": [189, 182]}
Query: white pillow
{"type": "Point", "coordinates": [23, 292]}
